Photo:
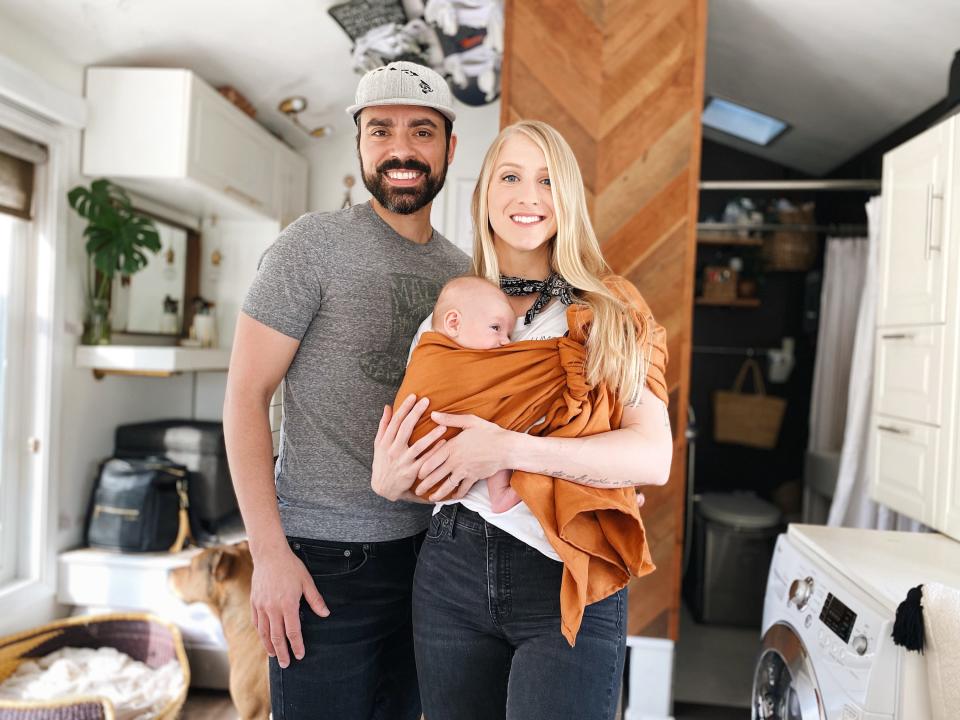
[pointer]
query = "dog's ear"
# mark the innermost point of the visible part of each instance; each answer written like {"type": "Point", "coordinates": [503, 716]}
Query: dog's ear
{"type": "Point", "coordinates": [221, 564]}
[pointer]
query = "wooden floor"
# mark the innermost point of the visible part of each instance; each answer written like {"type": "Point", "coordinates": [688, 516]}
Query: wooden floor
{"type": "Point", "coordinates": [216, 705]}
{"type": "Point", "coordinates": [208, 705]}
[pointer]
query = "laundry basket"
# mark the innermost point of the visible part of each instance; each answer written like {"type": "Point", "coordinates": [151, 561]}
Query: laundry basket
{"type": "Point", "coordinates": [735, 534]}
{"type": "Point", "coordinates": [141, 636]}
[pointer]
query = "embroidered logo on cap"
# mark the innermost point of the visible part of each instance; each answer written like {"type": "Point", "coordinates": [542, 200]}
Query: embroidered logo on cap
{"type": "Point", "coordinates": [424, 87]}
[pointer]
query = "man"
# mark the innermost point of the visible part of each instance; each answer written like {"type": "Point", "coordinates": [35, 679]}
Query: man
{"type": "Point", "coordinates": [331, 313]}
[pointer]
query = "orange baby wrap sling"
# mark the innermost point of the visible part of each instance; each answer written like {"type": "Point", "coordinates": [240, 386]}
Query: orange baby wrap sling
{"type": "Point", "coordinates": [597, 532]}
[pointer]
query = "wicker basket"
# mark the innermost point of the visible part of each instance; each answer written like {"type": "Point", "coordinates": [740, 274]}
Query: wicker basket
{"type": "Point", "coordinates": [792, 249]}
{"type": "Point", "coordinates": [719, 283]}
{"type": "Point", "coordinates": [747, 418]}
{"type": "Point", "coordinates": [141, 636]}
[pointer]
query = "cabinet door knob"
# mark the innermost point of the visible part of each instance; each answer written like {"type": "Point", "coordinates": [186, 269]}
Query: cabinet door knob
{"type": "Point", "coordinates": [893, 429]}
{"type": "Point", "coordinates": [897, 336]}
{"type": "Point", "coordinates": [928, 246]}
{"type": "Point", "coordinates": [248, 199]}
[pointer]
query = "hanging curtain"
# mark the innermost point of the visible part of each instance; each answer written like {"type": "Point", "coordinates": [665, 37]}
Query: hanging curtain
{"type": "Point", "coordinates": [844, 271]}
{"type": "Point", "coordinates": [852, 506]}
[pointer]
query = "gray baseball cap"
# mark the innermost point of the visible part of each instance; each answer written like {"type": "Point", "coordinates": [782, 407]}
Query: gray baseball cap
{"type": "Point", "coordinates": [404, 83]}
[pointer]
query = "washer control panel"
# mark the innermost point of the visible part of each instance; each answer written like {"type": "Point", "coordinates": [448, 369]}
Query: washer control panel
{"type": "Point", "coordinates": [838, 617]}
{"type": "Point", "coordinates": [824, 609]}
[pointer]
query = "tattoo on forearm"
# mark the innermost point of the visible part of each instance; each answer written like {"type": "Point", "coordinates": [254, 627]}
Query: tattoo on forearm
{"type": "Point", "coordinates": [583, 479]}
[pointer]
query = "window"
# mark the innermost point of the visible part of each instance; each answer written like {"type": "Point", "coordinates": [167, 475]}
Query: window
{"type": "Point", "coordinates": [14, 236]}
{"type": "Point", "coordinates": [742, 122]}
{"type": "Point", "coordinates": [44, 145]}
{"type": "Point", "coordinates": [22, 214]}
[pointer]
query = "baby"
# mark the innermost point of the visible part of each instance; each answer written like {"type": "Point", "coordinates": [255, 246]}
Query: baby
{"type": "Point", "coordinates": [475, 314]}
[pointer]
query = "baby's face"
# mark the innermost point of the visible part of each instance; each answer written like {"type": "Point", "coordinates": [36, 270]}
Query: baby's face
{"type": "Point", "coordinates": [486, 320]}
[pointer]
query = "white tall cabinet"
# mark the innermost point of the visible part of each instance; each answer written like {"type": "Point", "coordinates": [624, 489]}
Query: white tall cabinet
{"type": "Point", "coordinates": [915, 428]}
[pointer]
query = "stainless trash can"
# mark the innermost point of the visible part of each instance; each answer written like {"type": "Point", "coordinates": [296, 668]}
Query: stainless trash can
{"type": "Point", "coordinates": [735, 534]}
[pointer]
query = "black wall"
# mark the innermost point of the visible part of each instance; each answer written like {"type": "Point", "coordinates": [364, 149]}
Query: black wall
{"type": "Point", "coordinates": [784, 312]}
{"type": "Point", "coordinates": [868, 164]}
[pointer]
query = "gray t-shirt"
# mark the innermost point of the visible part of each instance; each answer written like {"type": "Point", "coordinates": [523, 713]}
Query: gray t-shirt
{"type": "Point", "coordinates": [353, 292]}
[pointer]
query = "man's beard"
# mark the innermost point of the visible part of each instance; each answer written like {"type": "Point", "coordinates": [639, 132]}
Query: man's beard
{"type": "Point", "coordinates": [404, 200]}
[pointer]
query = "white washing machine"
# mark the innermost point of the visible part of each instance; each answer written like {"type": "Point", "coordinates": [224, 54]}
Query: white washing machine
{"type": "Point", "coordinates": [831, 599]}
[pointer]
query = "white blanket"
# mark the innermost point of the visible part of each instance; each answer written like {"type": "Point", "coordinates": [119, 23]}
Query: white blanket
{"type": "Point", "coordinates": [136, 691]}
{"type": "Point", "coordinates": [941, 619]}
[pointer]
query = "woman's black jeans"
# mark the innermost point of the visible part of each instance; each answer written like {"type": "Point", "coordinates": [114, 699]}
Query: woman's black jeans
{"type": "Point", "coordinates": [359, 662]}
{"type": "Point", "coordinates": [486, 625]}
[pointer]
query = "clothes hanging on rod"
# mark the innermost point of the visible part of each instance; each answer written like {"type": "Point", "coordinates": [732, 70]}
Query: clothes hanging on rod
{"type": "Point", "coordinates": [831, 229]}
{"type": "Point", "coordinates": [818, 185]}
{"type": "Point", "coordinates": [718, 350]}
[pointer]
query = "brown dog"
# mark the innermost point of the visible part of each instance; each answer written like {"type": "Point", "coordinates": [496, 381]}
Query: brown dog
{"type": "Point", "coordinates": [220, 577]}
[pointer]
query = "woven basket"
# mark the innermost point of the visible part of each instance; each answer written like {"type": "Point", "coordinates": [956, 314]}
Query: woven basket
{"type": "Point", "coordinates": [719, 283]}
{"type": "Point", "coordinates": [792, 249]}
{"type": "Point", "coordinates": [747, 418]}
{"type": "Point", "coordinates": [141, 636]}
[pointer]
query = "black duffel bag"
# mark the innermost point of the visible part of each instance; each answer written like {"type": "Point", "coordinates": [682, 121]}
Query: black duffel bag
{"type": "Point", "coordinates": [199, 447]}
{"type": "Point", "coordinates": [139, 505]}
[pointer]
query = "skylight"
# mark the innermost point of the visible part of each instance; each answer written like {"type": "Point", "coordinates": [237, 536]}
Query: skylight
{"type": "Point", "coordinates": [741, 122]}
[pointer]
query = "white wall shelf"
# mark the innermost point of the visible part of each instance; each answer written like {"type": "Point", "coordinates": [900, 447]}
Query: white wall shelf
{"type": "Point", "coordinates": [150, 361]}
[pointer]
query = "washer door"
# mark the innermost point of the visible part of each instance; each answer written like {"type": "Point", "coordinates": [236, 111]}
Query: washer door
{"type": "Point", "coordinates": [784, 685]}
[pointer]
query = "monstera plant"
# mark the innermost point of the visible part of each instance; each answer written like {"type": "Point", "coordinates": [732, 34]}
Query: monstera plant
{"type": "Point", "coordinates": [117, 238]}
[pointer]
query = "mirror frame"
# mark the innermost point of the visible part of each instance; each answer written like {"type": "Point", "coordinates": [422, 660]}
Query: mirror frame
{"type": "Point", "coordinates": [191, 280]}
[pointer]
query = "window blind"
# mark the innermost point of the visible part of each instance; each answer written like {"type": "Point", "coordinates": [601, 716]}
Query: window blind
{"type": "Point", "coordinates": [18, 159]}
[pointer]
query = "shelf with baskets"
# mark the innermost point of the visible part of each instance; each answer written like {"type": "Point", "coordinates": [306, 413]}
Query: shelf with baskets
{"type": "Point", "coordinates": [727, 238]}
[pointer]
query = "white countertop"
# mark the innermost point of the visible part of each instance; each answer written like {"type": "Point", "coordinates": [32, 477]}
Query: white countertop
{"type": "Point", "coordinates": [886, 563]}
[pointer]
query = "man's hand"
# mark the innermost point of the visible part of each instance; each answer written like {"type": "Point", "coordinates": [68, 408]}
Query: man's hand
{"type": "Point", "coordinates": [395, 461]}
{"type": "Point", "coordinates": [461, 462]}
{"type": "Point", "coordinates": [280, 579]}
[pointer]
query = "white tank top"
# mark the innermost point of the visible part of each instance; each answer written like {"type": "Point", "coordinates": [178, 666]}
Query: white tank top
{"type": "Point", "coordinates": [549, 323]}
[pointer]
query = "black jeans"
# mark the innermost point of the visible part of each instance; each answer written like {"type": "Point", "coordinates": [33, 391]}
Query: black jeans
{"type": "Point", "coordinates": [486, 622]}
{"type": "Point", "coordinates": [359, 661]}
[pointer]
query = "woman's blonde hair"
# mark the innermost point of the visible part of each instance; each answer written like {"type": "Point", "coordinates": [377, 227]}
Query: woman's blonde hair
{"type": "Point", "coordinates": [613, 347]}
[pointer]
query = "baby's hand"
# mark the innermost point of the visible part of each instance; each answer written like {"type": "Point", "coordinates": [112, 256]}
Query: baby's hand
{"type": "Point", "coordinates": [502, 496]}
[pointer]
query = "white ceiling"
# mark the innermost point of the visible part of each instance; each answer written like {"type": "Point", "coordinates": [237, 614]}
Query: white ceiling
{"type": "Point", "coordinates": [843, 73]}
{"type": "Point", "coordinates": [266, 49]}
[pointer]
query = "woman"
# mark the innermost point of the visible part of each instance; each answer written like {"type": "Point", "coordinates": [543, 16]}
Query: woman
{"type": "Point", "coordinates": [487, 587]}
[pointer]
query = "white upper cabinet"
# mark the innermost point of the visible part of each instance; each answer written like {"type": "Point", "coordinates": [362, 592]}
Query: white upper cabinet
{"type": "Point", "coordinates": [229, 152]}
{"type": "Point", "coordinates": [290, 186]}
{"type": "Point", "coordinates": [168, 135]}
{"type": "Point", "coordinates": [915, 428]}
{"type": "Point", "coordinates": [915, 253]}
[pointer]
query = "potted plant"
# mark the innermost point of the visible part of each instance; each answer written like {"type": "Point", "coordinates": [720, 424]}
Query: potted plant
{"type": "Point", "coordinates": [117, 236]}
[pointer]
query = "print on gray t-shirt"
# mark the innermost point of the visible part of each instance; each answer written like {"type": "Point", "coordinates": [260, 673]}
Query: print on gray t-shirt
{"type": "Point", "coordinates": [353, 292]}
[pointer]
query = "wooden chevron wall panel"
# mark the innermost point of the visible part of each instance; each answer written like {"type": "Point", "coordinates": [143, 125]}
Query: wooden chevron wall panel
{"type": "Point", "coordinates": [623, 81]}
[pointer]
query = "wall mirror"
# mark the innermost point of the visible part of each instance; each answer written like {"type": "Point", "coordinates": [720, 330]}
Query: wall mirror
{"type": "Point", "coordinates": [156, 300]}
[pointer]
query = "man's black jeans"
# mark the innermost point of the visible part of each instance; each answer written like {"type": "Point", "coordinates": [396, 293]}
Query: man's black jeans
{"type": "Point", "coordinates": [359, 661]}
